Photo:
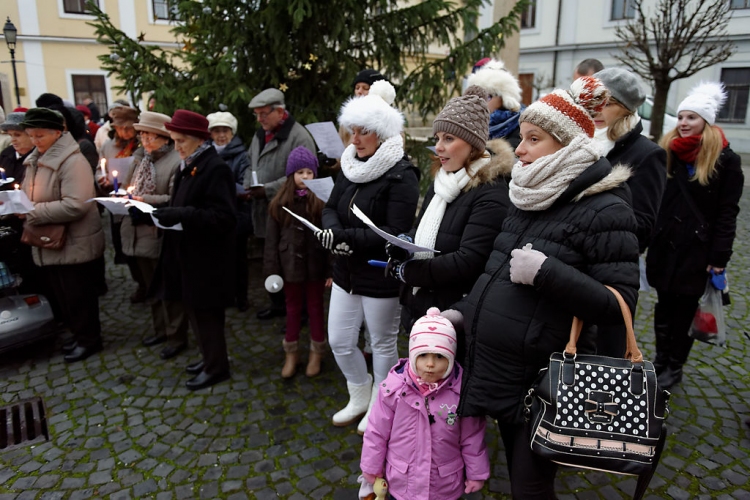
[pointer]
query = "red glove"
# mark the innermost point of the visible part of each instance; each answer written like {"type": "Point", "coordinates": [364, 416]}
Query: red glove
{"type": "Point", "coordinates": [472, 486]}
{"type": "Point", "coordinates": [370, 478]}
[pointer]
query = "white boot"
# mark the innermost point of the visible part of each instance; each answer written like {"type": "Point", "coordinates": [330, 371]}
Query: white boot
{"type": "Point", "coordinates": [359, 396]}
{"type": "Point", "coordinates": [362, 427]}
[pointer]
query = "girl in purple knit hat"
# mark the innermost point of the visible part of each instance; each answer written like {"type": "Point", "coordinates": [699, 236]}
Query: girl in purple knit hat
{"type": "Point", "coordinates": [414, 439]}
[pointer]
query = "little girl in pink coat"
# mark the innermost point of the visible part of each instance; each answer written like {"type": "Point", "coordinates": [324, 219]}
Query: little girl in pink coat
{"type": "Point", "coordinates": [414, 439]}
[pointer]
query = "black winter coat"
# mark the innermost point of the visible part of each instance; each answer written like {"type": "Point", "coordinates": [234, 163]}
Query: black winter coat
{"type": "Point", "coordinates": [235, 155]}
{"type": "Point", "coordinates": [511, 329]}
{"type": "Point", "coordinates": [649, 165]}
{"type": "Point", "coordinates": [390, 201]}
{"type": "Point", "coordinates": [13, 166]}
{"type": "Point", "coordinates": [194, 266]}
{"type": "Point", "coordinates": [681, 249]}
{"type": "Point", "coordinates": [469, 226]}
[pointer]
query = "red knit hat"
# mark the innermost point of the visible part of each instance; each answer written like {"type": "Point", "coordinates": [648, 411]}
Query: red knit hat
{"type": "Point", "coordinates": [189, 123]}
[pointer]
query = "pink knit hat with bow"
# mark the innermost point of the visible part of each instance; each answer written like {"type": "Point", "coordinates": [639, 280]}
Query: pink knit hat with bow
{"type": "Point", "coordinates": [432, 333]}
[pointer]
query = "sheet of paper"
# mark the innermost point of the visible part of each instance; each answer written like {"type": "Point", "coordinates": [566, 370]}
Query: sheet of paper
{"type": "Point", "coordinates": [303, 220]}
{"type": "Point", "coordinates": [15, 202]}
{"type": "Point", "coordinates": [389, 237]}
{"type": "Point", "coordinates": [327, 138]}
{"type": "Point", "coordinates": [115, 205]}
{"type": "Point", "coordinates": [321, 187]}
{"type": "Point", "coordinates": [149, 209]}
{"type": "Point", "coordinates": [122, 166]}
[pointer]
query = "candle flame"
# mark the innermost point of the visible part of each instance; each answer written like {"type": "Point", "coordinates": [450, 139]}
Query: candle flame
{"type": "Point", "coordinates": [114, 173]}
{"type": "Point", "coordinates": [16, 186]}
{"type": "Point", "coordinates": [130, 189]}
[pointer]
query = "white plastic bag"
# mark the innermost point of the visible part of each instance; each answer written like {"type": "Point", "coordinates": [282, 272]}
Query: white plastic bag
{"type": "Point", "coordinates": [708, 323]}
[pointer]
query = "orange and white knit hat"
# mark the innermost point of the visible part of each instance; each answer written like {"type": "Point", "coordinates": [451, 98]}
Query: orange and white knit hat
{"type": "Point", "coordinates": [564, 114]}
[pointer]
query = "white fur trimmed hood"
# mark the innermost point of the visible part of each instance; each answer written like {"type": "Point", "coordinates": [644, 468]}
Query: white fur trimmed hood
{"type": "Point", "coordinates": [372, 113]}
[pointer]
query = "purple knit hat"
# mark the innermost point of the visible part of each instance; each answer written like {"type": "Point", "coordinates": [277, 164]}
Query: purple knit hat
{"type": "Point", "coordinates": [300, 158]}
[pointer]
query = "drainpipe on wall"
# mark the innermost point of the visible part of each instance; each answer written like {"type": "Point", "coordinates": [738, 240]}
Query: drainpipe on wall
{"type": "Point", "coordinates": [557, 43]}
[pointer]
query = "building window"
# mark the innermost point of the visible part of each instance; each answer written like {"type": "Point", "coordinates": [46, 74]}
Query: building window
{"type": "Point", "coordinates": [739, 4]}
{"type": "Point", "coordinates": [90, 87]}
{"type": "Point", "coordinates": [77, 6]}
{"type": "Point", "coordinates": [622, 9]}
{"type": "Point", "coordinates": [737, 83]}
{"type": "Point", "coordinates": [165, 10]}
{"type": "Point", "coordinates": [528, 16]}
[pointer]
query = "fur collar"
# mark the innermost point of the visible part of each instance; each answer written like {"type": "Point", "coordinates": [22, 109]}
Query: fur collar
{"type": "Point", "coordinates": [501, 163]}
{"type": "Point", "coordinates": [620, 174]}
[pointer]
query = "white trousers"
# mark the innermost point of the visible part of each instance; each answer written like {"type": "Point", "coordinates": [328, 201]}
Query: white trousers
{"type": "Point", "coordinates": [344, 321]}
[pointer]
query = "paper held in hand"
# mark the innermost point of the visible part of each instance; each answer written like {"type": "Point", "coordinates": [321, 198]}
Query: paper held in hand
{"type": "Point", "coordinates": [303, 220]}
{"type": "Point", "coordinates": [411, 247]}
{"type": "Point", "coordinates": [327, 138]}
{"type": "Point", "coordinates": [149, 209]}
{"type": "Point", "coordinates": [321, 187]}
{"type": "Point", "coordinates": [117, 206]}
{"type": "Point", "coordinates": [15, 202]}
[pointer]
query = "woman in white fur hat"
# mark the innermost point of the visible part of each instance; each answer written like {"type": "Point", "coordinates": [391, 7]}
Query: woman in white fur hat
{"type": "Point", "coordinates": [380, 180]}
{"type": "Point", "coordinates": [696, 225]}
{"type": "Point", "coordinates": [503, 95]}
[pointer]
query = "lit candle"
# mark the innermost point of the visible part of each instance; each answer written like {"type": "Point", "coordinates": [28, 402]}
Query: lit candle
{"type": "Point", "coordinates": [104, 167]}
{"type": "Point", "coordinates": [16, 186]}
{"type": "Point", "coordinates": [114, 179]}
{"type": "Point", "coordinates": [130, 191]}
{"type": "Point", "coordinates": [2, 173]}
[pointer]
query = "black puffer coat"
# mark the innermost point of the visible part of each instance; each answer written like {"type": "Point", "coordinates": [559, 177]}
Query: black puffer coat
{"type": "Point", "coordinates": [649, 165]}
{"type": "Point", "coordinates": [469, 226]}
{"type": "Point", "coordinates": [390, 201]}
{"type": "Point", "coordinates": [511, 329]}
{"type": "Point", "coordinates": [681, 250]}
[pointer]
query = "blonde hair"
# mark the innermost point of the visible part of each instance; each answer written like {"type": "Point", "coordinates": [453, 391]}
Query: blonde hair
{"type": "Point", "coordinates": [711, 145]}
{"type": "Point", "coordinates": [622, 125]}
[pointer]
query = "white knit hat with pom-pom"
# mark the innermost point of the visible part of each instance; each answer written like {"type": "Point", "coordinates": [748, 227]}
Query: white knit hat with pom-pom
{"type": "Point", "coordinates": [373, 112]}
{"type": "Point", "coordinates": [432, 333]}
{"type": "Point", "coordinates": [564, 114]}
{"type": "Point", "coordinates": [705, 99]}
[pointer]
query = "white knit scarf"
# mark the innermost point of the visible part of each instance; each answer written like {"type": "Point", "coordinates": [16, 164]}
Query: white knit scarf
{"type": "Point", "coordinates": [603, 141]}
{"type": "Point", "coordinates": [537, 186]}
{"type": "Point", "coordinates": [448, 186]}
{"type": "Point", "coordinates": [385, 158]}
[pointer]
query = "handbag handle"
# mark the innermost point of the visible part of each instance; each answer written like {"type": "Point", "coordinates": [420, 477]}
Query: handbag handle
{"type": "Point", "coordinates": [632, 352]}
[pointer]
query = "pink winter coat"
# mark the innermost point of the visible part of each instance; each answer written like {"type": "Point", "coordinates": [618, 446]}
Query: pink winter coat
{"type": "Point", "coordinates": [422, 461]}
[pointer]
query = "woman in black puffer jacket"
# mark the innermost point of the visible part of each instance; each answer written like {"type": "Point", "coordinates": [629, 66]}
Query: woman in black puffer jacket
{"type": "Point", "coordinates": [570, 232]}
{"type": "Point", "coordinates": [462, 212]}
{"type": "Point", "coordinates": [379, 179]}
{"type": "Point", "coordinates": [696, 226]}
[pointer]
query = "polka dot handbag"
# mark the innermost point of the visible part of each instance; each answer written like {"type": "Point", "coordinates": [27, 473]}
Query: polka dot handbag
{"type": "Point", "coordinates": [598, 412]}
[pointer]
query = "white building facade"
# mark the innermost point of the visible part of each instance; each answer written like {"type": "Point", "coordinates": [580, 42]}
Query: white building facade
{"type": "Point", "coordinates": [558, 34]}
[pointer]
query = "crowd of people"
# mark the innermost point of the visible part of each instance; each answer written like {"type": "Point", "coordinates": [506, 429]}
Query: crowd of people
{"type": "Point", "coordinates": [531, 212]}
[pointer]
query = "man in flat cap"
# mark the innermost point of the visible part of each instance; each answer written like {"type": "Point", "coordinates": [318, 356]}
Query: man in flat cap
{"type": "Point", "coordinates": [278, 136]}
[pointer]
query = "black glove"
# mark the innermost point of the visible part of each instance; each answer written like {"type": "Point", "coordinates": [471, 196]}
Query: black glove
{"type": "Point", "coordinates": [396, 252]}
{"type": "Point", "coordinates": [169, 216]}
{"type": "Point", "coordinates": [139, 218]}
{"type": "Point", "coordinates": [395, 269]}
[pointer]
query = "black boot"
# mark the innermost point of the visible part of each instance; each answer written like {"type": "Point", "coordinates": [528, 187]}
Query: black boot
{"type": "Point", "coordinates": [672, 375]}
{"type": "Point", "coordinates": [661, 330]}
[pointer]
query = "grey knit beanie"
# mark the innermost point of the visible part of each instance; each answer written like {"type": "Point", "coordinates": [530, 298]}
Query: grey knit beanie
{"type": "Point", "coordinates": [466, 117]}
{"type": "Point", "coordinates": [624, 86]}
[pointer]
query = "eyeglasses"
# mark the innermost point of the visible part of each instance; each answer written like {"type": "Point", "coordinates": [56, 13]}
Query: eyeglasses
{"type": "Point", "coordinates": [264, 114]}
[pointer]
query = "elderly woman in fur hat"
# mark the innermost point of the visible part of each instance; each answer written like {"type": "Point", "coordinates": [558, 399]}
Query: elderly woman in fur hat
{"type": "Point", "coordinates": [380, 180]}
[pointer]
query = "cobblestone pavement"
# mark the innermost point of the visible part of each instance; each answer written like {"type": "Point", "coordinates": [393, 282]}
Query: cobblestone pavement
{"type": "Point", "coordinates": [123, 425]}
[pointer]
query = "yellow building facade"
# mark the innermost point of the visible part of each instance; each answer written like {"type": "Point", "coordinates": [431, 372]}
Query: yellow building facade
{"type": "Point", "coordinates": [56, 50]}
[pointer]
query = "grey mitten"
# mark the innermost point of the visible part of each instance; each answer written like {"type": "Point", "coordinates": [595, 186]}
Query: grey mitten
{"type": "Point", "coordinates": [455, 317]}
{"type": "Point", "coordinates": [525, 264]}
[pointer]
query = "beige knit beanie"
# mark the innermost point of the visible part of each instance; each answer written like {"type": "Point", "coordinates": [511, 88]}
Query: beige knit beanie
{"type": "Point", "coordinates": [564, 114]}
{"type": "Point", "coordinates": [466, 117]}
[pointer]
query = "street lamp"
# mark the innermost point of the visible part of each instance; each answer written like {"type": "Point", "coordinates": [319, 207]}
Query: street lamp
{"type": "Point", "coordinates": [10, 32]}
